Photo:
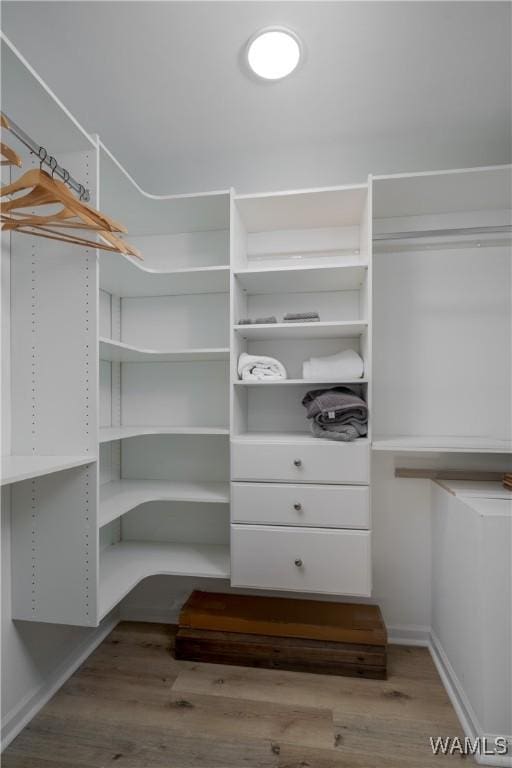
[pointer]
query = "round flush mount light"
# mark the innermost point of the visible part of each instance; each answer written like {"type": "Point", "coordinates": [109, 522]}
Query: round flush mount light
{"type": "Point", "coordinates": [274, 53]}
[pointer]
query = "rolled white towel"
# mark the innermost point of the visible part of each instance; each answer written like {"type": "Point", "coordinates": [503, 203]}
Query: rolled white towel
{"type": "Point", "coordinates": [260, 367]}
{"type": "Point", "coordinates": [343, 365]}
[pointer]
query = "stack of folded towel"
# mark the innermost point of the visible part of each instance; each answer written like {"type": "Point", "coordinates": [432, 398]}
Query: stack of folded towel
{"type": "Point", "coordinates": [343, 365]}
{"type": "Point", "coordinates": [301, 317]}
{"type": "Point", "coordinates": [336, 414]}
{"type": "Point", "coordinates": [260, 367]}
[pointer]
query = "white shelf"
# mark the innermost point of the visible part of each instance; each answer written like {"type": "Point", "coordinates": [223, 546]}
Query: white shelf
{"type": "Point", "coordinates": [118, 352]}
{"type": "Point", "coordinates": [298, 278]}
{"type": "Point", "coordinates": [124, 565]}
{"type": "Point", "coordinates": [318, 330]}
{"type": "Point", "coordinates": [117, 498]}
{"type": "Point", "coordinates": [16, 468]}
{"type": "Point", "coordinates": [289, 437]}
{"type": "Point", "coordinates": [298, 382]}
{"type": "Point", "coordinates": [124, 276]}
{"type": "Point", "coordinates": [107, 434]}
{"type": "Point", "coordinates": [435, 444]}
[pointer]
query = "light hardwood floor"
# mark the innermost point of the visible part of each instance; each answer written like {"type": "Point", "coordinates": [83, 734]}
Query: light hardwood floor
{"type": "Point", "coordinates": [131, 705]}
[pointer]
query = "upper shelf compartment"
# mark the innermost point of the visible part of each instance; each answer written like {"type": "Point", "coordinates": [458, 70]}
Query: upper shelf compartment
{"type": "Point", "coordinates": [27, 100]}
{"type": "Point", "coordinates": [326, 227]}
{"type": "Point", "coordinates": [302, 279]}
{"type": "Point", "coordinates": [183, 239]}
{"type": "Point", "coordinates": [124, 277]}
{"type": "Point", "coordinates": [442, 201]}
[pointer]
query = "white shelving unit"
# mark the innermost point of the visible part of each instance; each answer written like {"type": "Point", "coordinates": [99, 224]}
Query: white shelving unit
{"type": "Point", "coordinates": [49, 404]}
{"type": "Point", "coordinates": [343, 329]}
{"type": "Point", "coordinates": [311, 383]}
{"type": "Point", "coordinates": [127, 563]}
{"type": "Point", "coordinates": [164, 352]}
{"type": "Point", "coordinates": [441, 444]}
{"type": "Point", "coordinates": [442, 362]}
{"type": "Point", "coordinates": [119, 497]}
{"type": "Point", "coordinates": [116, 351]}
{"type": "Point", "coordinates": [18, 468]}
{"type": "Point", "coordinates": [123, 276]}
{"type": "Point", "coordinates": [108, 434]}
{"type": "Point", "coordinates": [117, 448]}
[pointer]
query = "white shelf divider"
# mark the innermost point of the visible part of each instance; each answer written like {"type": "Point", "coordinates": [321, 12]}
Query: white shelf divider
{"type": "Point", "coordinates": [298, 382]}
{"type": "Point", "coordinates": [318, 330]}
{"type": "Point", "coordinates": [124, 565]}
{"type": "Point", "coordinates": [17, 468]}
{"type": "Point", "coordinates": [304, 278]}
{"type": "Point", "coordinates": [126, 277]}
{"type": "Point", "coordinates": [107, 434]}
{"type": "Point", "coordinates": [289, 437]}
{"type": "Point", "coordinates": [119, 497]}
{"type": "Point", "coordinates": [118, 352]}
{"type": "Point", "coordinates": [440, 444]}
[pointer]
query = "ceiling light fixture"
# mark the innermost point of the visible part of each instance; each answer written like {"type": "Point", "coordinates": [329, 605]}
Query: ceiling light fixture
{"type": "Point", "coordinates": [274, 53]}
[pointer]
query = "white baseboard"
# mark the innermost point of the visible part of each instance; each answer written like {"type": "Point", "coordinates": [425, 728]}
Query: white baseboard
{"type": "Point", "coordinates": [462, 706]}
{"type": "Point", "coordinates": [412, 634]}
{"type": "Point", "coordinates": [22, 714]}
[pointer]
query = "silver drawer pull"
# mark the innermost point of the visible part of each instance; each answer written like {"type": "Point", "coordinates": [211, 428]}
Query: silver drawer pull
{"type": "Point", "coordinates": [298, 562]}
{"type": "Point", "coordinates": [297, 507]}
{"type": "Point", "coordinates": [297, 462]}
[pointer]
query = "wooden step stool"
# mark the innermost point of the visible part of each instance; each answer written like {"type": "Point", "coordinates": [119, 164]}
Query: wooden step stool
{"type": "Point", "coordinates": [283, 633]}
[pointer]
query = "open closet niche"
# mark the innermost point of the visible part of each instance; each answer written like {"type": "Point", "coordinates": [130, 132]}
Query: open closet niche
{"type": "Point", "coordinates": [49, 404]}
{"type": "Point", "coordinates": [298, 252]}
{"type": "Point", "coordinates": [300, 505]}
{"type": "Point", "coordinates": [442, 309]}
{"type": "Point", "coordinates": [164, 387]}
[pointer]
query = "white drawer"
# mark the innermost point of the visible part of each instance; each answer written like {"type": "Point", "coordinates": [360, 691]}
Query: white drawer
{"type": "Point", "coordinates": [301, 559]}
{"type": "Point", "coordinates": [321, 461]}
{"type": "Point", "coordinates": [331, 506]}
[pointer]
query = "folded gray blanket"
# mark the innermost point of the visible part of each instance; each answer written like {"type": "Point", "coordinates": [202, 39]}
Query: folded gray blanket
{"type": "Point", "coordinates": [336, 413]}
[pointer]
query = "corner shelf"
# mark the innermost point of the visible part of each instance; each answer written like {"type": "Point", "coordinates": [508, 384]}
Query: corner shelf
{"type": "Point", "coordinates": [123, 276]}
{"type": "Point", "coordinates": [18, 468]}
{"type": "Point", "coordinates": [107, 434]}
{"type": "Point", "coordinates": [305, 278]}
{"type": "Point", "coordinates": [318, 330]}
{"type": "Point", "coordinates": [297, 382]}
{"type": "Point", "coordinates": [117, 351]}
{"type": "Point", "coordinates": [124, 565]}
{"type": "Point", "coordinates": [440, 444]}
{"type": "Point", "coordinates": [119, 497]}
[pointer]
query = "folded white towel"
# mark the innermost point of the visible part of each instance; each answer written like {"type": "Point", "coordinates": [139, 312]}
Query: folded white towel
{"type": "Point", "coordinates": [343, 365]}
{"type": "Point", "coordinates": [260, 367]}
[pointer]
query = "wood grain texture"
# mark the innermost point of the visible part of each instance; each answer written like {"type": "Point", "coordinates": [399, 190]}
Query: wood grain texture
{"type": "Point", "coordinates": [285, 617]}
{"type": "Point", "coordinates": [132, 705]}
{"type": "Point", "coordinates": [289, 653]}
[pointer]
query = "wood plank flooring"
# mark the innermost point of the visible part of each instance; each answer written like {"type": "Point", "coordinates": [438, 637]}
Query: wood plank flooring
{"type": "Point", "coordinates": [131, 705]}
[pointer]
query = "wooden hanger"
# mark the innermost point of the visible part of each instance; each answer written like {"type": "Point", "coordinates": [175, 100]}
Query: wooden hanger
{"type": "Point", "coordinates": [74, 214]}
{"type": "Point", "coordinates": [46, 190]}
{"type": "Point", "coordinates": [9, 156]}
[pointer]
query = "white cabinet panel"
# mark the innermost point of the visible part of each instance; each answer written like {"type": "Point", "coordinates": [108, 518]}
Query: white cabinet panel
{"type": "Point", "coordinates": [321, 462]}
{"type": "Point", "coordinates": [319, 506]}
{"type": "Point", "coordinates": [301, 559]}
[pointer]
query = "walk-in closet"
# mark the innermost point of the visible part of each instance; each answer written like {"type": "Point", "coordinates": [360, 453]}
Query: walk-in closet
{"type": "Point", "coordinates": [256, 384]}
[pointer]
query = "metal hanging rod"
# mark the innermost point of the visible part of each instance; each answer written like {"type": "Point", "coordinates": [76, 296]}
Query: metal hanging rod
{"type": "Point", "coordinates": [490, 230]}
{"type": "Point", "coordinates": [46, 159]}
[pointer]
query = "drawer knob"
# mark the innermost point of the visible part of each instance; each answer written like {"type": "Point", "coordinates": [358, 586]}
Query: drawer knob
{"type": "Point", "coordinates": [297, 462]}
{"type": "Point", "coordinates": [297, 507]}
{"type": "Point", "coordinates": [298, 562]}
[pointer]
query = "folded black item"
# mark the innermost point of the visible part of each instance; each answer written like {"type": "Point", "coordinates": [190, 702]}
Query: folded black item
{"type": "Point", "coordinates": [336, 413]}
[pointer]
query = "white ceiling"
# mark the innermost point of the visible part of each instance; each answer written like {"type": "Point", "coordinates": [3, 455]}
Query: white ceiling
{"type": "Point", "coordinates": [386, 87]}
